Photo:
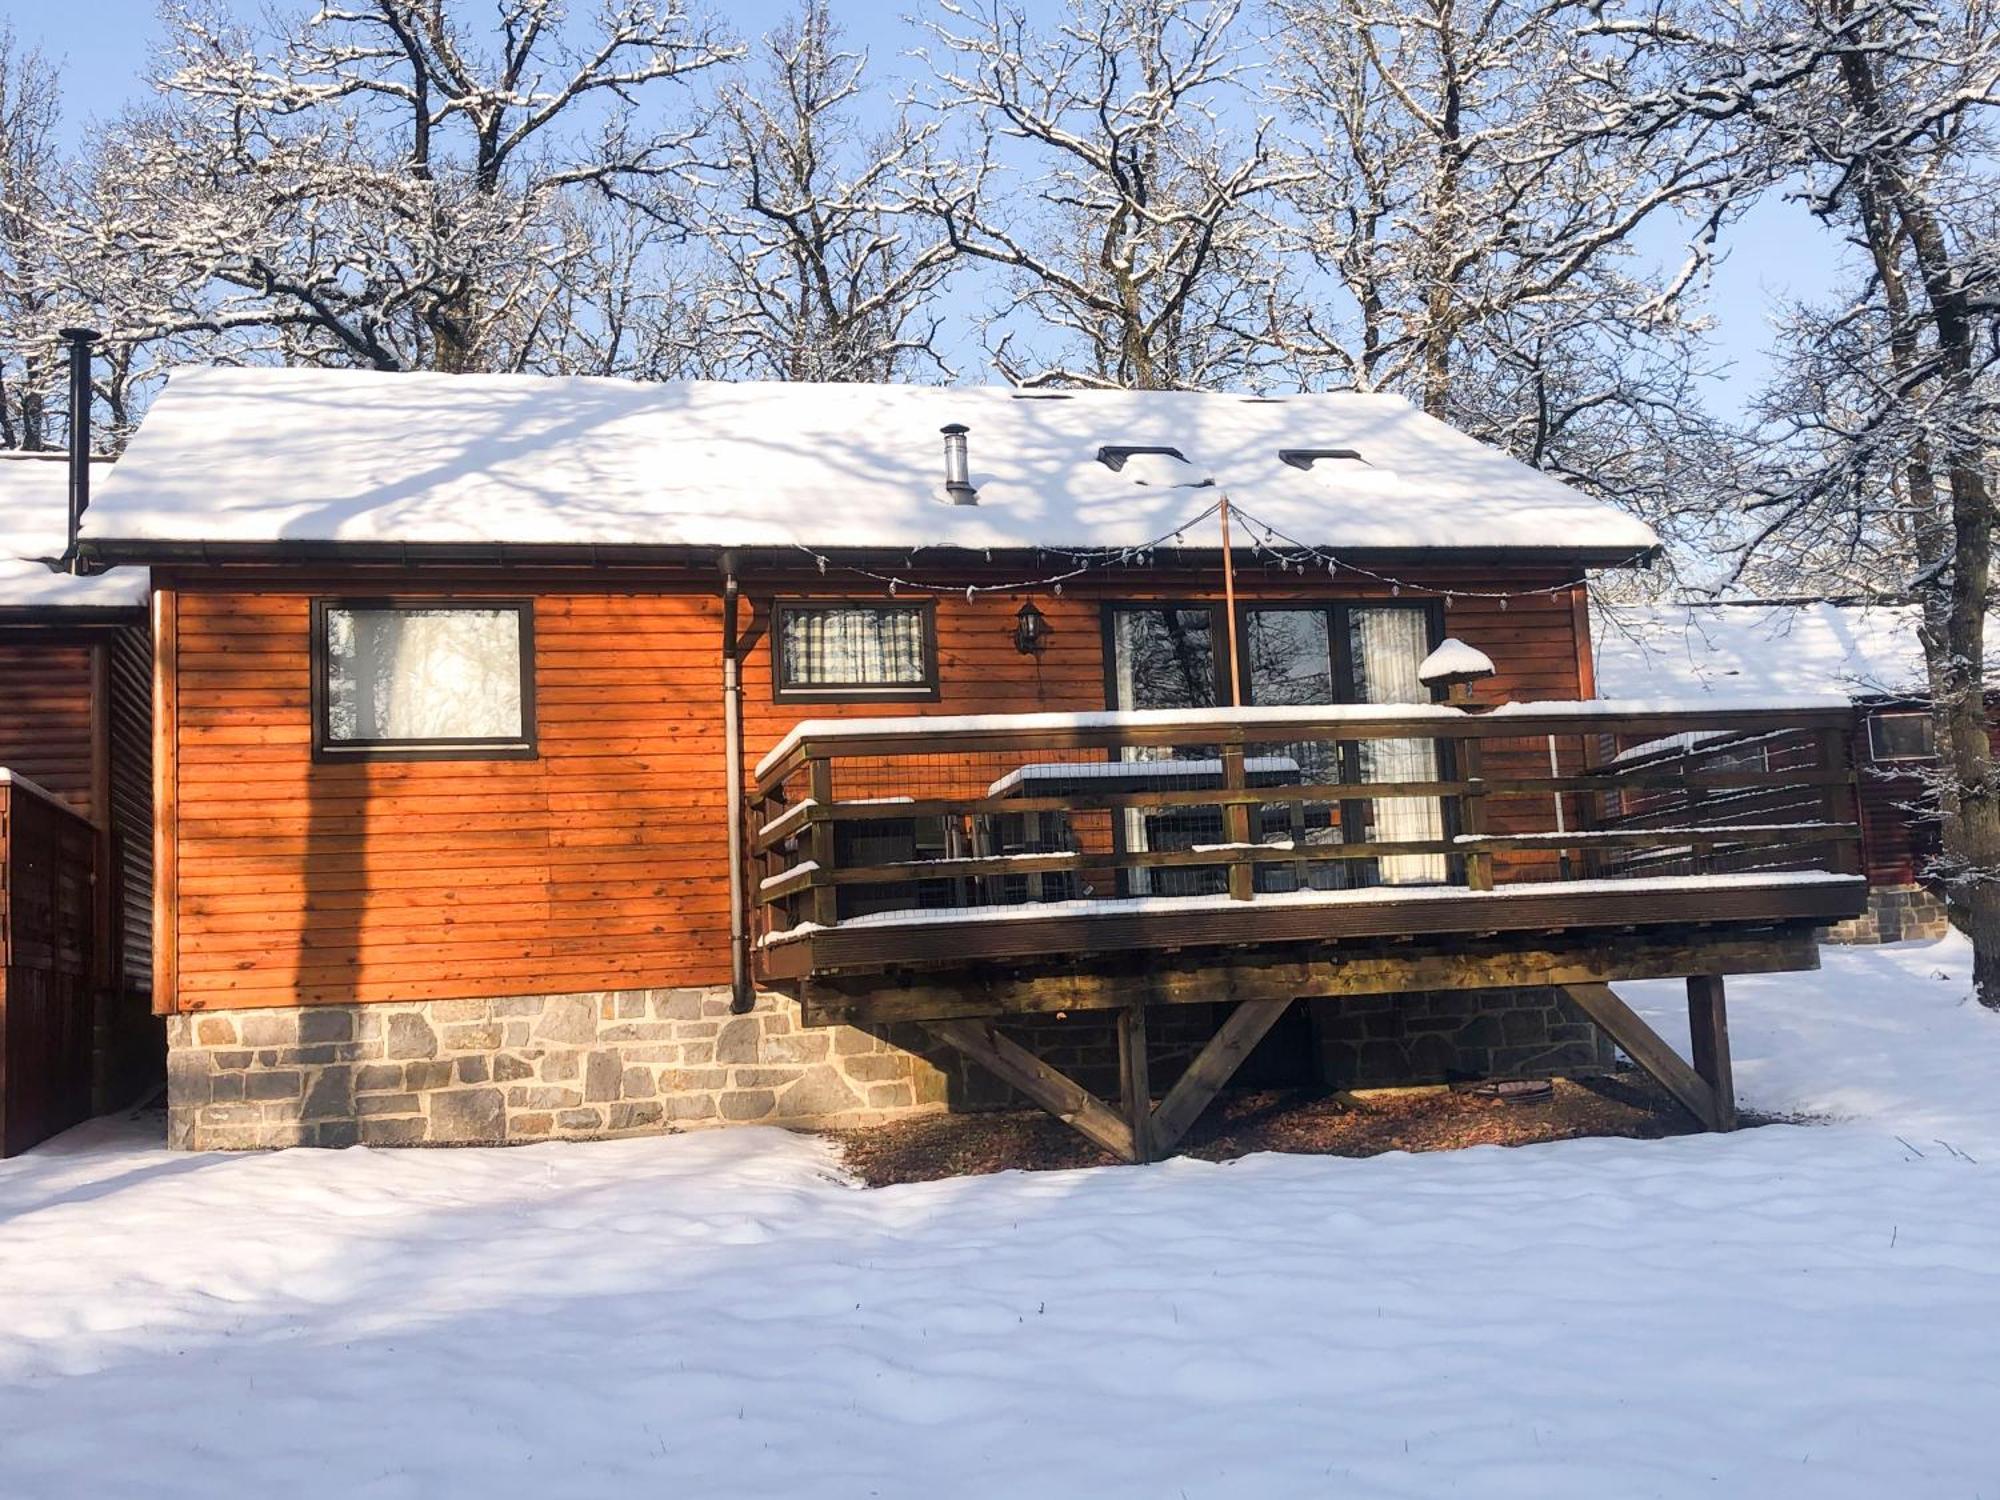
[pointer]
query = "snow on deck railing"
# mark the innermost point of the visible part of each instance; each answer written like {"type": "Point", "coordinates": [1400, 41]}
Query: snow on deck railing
{"type": "Point", "coordinates": [1377, 895]}
{"type": "Point", "coordinates": [1581, 712]}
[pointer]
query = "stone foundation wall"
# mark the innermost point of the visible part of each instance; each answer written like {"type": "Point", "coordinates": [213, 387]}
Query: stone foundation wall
{"type": "Point", "coordinates": [1452, 1036]}
{"type": "Point", "coordinates": [638, 1062]}
{"type": "Point", "coordinates": [524, 1068]}
{"type": "Point", "coordinates": [1895, 914]}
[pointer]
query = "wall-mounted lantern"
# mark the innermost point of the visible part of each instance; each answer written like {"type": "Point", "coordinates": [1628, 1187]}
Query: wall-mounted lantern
{"type": "Point", "coordinates": [1031, 630]}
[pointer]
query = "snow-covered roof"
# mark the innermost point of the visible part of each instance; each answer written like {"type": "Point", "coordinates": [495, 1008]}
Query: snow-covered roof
{"type": "Point", "coordinates": [34, 526]}
{"type": "Point", "coordinates": [1754, 653]}
{"type": "Point", "coordinates": [257, 456]}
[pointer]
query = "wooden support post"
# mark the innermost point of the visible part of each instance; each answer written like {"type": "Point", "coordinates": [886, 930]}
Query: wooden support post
{"type": "Point", "coordinates": [1134, 1083]}
{"type": "Point", "coordinates": [1708, 1025]}
{"type": "Point", "coordinates": [1649, 1050]}
{"type": "Point", "coordinates": [1213, 1067]}
{"type": "Point", "coordinates": [1057, 1093]}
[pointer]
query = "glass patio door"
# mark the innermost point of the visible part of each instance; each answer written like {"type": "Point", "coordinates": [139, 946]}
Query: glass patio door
{"type": "Point", "coordinates": [1163, 657]}
{"type": "Point", "coordinates": [1290, 659]}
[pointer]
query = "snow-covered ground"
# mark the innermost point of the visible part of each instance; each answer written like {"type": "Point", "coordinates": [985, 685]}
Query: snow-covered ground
{"type": "Point", "coordinates": [1799, 1310]}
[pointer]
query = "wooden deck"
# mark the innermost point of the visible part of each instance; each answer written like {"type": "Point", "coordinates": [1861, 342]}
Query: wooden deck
{"type": "Point", "coordinates": [955, 872]}
{"type": "Point", "coordinates": [1100, 930]}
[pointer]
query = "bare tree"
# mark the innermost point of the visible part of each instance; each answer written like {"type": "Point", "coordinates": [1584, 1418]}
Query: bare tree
{"type": "Point", "coordinates": [1133, 244]}
{"type": "Point", "coordinates": [378, 184]}
{"type": "Point", "coordinates": [1473, 226]}
{"type": "Point", "coordinates": [1884, 427]}
{"type": "Point", "coordinates": [30, 361]}
{"type": "Point", "coordinates": [821, 267]}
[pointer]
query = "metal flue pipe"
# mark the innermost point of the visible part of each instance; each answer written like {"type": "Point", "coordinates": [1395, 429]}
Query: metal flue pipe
{"type": "Point", "coordinates": [80, 342]}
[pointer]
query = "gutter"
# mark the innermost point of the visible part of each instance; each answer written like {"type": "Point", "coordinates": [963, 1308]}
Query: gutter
{"type": "Point", "coordinates": [122, 551]}
{"type": "Point", "coordinates": [742, 996]}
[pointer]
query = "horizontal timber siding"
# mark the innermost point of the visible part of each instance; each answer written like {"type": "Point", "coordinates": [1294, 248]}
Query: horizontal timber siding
{"type": "Point", "coordinates": [601, 863]}
{"type": "Point", "coordinates": [46, 727]}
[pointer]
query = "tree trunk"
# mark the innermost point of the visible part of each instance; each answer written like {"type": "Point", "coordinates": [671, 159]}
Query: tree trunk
{"type": "Point", "coordinates": [1954, 630]}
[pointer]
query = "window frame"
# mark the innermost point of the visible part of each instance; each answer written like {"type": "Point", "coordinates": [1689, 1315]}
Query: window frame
{"type": "Point", "coordinates": [1340, 635]}
{"type": "Point", "coordinates": [928, 691]}
{"type": "Point", "coordinates": [327, 750]}
{"type": "Point", "coordinates": [1234, 646]}
{"type": "Point", "coordinates": [1219, 648]}
{"type": "Point", "coordinates": [1226, 649]}
{"type": "Point", "coordinates": [1875, 755]}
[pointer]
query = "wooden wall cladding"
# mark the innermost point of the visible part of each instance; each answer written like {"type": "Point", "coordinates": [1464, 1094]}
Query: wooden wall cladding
{"type": "Point", "coordinates": [46, 720]}
{"type": "Point", "coordinates": [600, 864]}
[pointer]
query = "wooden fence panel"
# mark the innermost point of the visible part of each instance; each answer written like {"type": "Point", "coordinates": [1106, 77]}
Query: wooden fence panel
{"type": "Point", "coordinates": [48, 952]}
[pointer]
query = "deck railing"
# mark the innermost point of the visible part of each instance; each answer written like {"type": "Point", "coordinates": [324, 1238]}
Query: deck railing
{"type": "Point", "coordinates": [870, 817]}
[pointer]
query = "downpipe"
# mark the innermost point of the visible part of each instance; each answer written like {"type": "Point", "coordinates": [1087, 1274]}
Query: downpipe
{"type": "Point", "coordinates": [741, 994]}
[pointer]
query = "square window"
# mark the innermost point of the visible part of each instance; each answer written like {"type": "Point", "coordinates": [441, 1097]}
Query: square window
{"type": "Point", "coordinates": [867, 651]}
{"type": "Point", "coordinates": [422, 680]}
{"type": "Point", "coordinates": [1901, 736]}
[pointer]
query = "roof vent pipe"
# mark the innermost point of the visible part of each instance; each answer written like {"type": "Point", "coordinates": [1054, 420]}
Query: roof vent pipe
{"type": "Point", "coordinates": [958, 465]}
{"type": "Point", "coordinates": [79, 341]}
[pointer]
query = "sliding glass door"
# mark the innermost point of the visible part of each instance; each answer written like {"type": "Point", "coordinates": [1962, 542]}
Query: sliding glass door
{"type": "Point", "coordinates": [1349, 653]}
{"type": "Point", "coordinates": [1166, 657]}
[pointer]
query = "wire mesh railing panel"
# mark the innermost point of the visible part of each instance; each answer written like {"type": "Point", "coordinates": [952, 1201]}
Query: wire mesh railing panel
{"type": "Point", "coordinates": [1023, 811]}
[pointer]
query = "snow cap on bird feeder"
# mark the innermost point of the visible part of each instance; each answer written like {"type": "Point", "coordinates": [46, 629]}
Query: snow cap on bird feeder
{"type": "Point", "coordinates": [1454, 666]}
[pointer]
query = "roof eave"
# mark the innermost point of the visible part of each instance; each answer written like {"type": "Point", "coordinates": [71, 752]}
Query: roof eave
{"type": "Point", "coordinates": [119, 552]}
{"type": "Point", "coordinates": [71, 616]}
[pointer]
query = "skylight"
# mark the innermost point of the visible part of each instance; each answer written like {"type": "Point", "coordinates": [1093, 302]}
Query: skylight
{"type": "Point", "coordinates": [1159, 467]}
{"type": "Point", "coordinates": [1308, 458]}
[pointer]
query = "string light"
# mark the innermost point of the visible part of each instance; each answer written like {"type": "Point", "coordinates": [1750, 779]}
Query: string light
{"type": "Point", "coordinates": [1086, 559]}
{"type": "Point", "coordinates": [1268, 544]}
{"type": "Point", "coordinates": [1335, 565]}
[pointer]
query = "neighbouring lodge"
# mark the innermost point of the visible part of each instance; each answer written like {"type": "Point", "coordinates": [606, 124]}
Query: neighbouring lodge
{"type": "Point", "coordinates": [76, 844]}
{"type": "Point", "coordinates": [1751, 653]}
{"type": "Point", "coordinates": [563, 757]}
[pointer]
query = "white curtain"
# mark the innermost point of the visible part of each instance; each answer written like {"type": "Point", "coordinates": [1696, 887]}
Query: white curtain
{"type": "Point", "coordinates": [424, 674]}
{"type": "Point", "coordinates": [1388, 646]}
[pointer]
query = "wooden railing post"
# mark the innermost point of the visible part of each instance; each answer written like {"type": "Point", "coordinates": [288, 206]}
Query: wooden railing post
{"type": "Point", "coordinates": [820, 842]}
{"type": "Point", "coordinates": [1701, 854]}
{"type": "Point", "coordinates": [1840, 801]}
{"type": "Point", "coordinates": [1472, 811]}
{"type": "Point", "coordinates": [1236, 824]}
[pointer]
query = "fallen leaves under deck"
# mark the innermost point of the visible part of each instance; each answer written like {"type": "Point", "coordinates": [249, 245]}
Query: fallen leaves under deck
{"type": "Point", "coordinates": [1294, 1120]}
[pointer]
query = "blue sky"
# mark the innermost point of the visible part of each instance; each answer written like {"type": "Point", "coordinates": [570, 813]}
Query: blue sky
{"type": "Point", "coordinates": [1777, 254]}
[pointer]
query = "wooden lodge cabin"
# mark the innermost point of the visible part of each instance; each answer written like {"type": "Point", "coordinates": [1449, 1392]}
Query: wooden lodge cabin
{"type": "Point", "coordinates": [76, 1029]}
{"type": "Point", "coordinates": [544, 758]}
{"type": "Point", "coordinates": [1866, 656]}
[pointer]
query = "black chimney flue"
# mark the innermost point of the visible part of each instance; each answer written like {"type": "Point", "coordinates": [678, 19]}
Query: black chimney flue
{"type": "Point", "coordinates": [80, 341]}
